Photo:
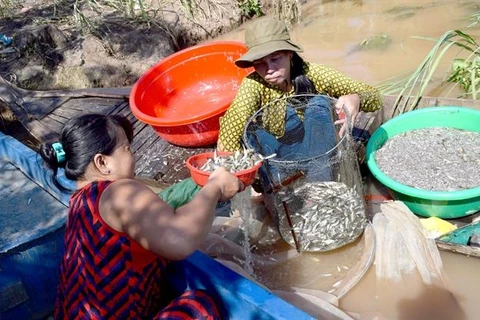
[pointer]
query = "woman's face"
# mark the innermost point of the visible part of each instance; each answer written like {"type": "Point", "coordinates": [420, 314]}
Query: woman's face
{"type": "Point", "coordinates": [275, 68]}
{"type": "Point", "coordinates": [122, 160]}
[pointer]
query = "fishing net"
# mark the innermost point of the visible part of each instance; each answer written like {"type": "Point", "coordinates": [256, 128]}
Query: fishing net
{"type": "Point", "coordinates": [312, 187]}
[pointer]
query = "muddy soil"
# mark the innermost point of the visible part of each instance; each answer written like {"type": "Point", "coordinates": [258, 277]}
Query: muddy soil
{"type": "Point", "coordinates": [51, 51]}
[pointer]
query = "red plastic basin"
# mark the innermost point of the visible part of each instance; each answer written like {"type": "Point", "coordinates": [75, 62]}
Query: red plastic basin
{"type": "Point", "coordinates": [200, 177]}
{"type": "Point", "coordinates": [184, 95]}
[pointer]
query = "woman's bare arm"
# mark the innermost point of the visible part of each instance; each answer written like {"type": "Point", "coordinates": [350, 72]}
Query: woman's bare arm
{"type": "Point", "coordinates": [131, 207]}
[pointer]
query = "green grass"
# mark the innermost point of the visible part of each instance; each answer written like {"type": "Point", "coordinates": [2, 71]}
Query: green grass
{"type": "Point", "coordinates": [189, 6]}
{"type": "Point", "coordinates": [129, 9]}
{"type": "Point", "coordinates": [474, 18]}
{"type": "Point", "coordinates": [464, 72]}
{"type": "Point", "coordinates": [250, 8]}
{"type": "Point", "coordinates": [136, 10]}
{"type": "Point", "coordinates": [7, 8]}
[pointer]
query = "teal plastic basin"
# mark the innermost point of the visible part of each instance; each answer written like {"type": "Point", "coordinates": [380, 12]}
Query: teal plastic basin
{"type": "Point", "coordinates": [441, 204]}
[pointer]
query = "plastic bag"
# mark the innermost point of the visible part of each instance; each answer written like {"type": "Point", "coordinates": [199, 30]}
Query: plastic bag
{"type": "Point", "coordinates": [402, 245]}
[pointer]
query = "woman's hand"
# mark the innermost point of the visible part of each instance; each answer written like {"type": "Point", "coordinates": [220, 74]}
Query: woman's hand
{"type": "Point", "coordinates": [351, 104]}
{"type": "Point", "coordinates": [229, 184]}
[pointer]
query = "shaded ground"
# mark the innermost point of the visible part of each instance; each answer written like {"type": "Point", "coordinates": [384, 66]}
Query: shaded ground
{"type": "Point", "coordinates": [50, 50]}
{"type": "Point", "coordinates": [9, 125]}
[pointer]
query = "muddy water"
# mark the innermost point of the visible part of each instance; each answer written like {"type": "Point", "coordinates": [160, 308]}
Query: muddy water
{"type": "Point", "coordinates": [330, 33]}
{"type": "Point", "coordinates": [411, 299]}
{"type": "Point", "coordinates": [314, 271]}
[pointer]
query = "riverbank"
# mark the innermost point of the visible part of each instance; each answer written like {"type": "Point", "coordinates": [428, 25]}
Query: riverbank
{"type": "Point", "coordinates": [60, 46]}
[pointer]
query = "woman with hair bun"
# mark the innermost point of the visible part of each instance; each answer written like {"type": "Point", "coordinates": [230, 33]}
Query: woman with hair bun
{"type": "Point", "coordinates": [120, 235]}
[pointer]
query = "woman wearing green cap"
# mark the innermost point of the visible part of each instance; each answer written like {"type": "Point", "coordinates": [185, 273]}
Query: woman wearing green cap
{"type": "Point", "coordinates": [280, 72]}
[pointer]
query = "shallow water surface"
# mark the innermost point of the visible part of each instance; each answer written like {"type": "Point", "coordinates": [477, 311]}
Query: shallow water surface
{"type": "Point", "coordinates": [330, 33]}
{"type": "Point", "coordinates": [411, 299]}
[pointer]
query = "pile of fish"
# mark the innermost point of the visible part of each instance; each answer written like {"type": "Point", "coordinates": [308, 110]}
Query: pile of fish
{"type": "Point", "coordinates": [238, 161]}
{"type": "Point", "coordinates": [433, 159]}
{"type": "Point", "coordinates": [324, 215]}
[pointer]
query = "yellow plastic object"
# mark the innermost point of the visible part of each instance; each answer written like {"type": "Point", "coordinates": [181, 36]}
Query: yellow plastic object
{"type": "Point", "coordinates": [436, 226]}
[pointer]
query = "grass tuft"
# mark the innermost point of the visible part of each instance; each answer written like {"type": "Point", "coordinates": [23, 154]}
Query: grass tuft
{"type": "Point", "coordinates": [7, 8]}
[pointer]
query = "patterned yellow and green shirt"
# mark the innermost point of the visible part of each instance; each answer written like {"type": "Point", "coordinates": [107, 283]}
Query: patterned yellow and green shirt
{"type": "Point", "coordinates": [255, 92]}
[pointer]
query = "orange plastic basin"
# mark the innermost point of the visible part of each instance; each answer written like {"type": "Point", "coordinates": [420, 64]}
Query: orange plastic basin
{"type": "Point", "coordinates": [184, 95]}
{"type": "Point", "coordinates": [200, 177]}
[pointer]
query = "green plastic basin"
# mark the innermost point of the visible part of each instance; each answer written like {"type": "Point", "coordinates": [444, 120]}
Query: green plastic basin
{"type": "Point", "coordinates": [441, 204]}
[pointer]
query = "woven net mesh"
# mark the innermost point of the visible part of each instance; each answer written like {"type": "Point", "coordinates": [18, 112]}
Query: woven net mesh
{"type": "Point", "coordinates": [312, 187]}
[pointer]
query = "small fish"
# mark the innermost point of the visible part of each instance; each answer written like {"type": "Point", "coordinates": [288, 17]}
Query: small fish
{"type": "Point", "coordinates": [337, 216]}
{"type": "Point", "coordinates": [235, 162]}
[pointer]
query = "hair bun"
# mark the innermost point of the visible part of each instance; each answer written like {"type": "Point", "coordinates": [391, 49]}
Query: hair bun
{"type": "Point", "coordinates": [53, 154]}
{"type": "Point", "coordinates": [59, 152]}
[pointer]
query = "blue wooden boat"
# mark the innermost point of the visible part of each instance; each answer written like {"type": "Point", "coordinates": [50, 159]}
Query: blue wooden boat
{"type": "Point", "coordinates": [462, 235]}
{"type": "Point", "coordinates": [33, 217]}
{"type": "Point", "coordinates": [458, 241]}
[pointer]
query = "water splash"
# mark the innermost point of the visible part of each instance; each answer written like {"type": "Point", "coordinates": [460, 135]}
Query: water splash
{"type": "Point", "coordinates": [242, 204]}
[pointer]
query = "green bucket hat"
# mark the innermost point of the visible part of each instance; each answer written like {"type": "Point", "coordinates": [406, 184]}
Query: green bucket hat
{"type": "Point", "coordinates": [263, 38]}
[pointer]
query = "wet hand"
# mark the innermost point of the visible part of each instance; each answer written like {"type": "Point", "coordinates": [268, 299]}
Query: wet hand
{"type": "Point", "coordinates": [349, 104]}
{"type": "Point", "coordinates": [228, 183]}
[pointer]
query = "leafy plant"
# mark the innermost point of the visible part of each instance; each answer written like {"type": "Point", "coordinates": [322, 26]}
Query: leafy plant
{"type": "Point", "coordinates": [467, 74]}
{"type": "Point", "coordinates": [250, 8]}
{"type": "Point", "coordinates": [464, 73]}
